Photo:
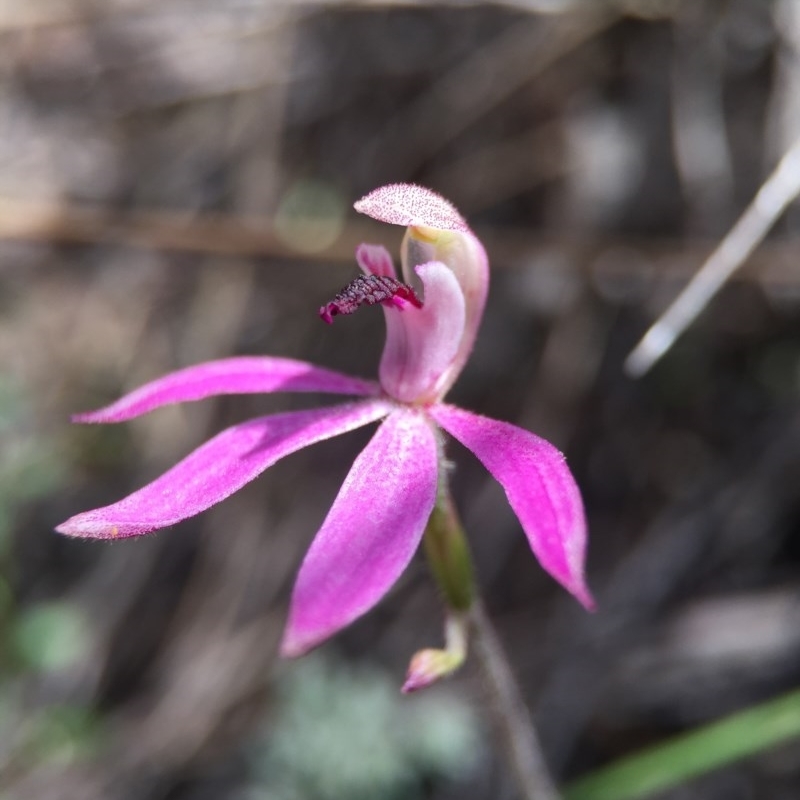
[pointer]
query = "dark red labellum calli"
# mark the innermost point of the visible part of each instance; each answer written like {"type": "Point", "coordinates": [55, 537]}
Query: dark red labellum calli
{"type": "Point", "coordinates": [369, 289]}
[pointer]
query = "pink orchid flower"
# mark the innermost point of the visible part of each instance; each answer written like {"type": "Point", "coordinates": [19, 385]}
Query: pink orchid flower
{"type": "Point", "coordinates": [378, 518]}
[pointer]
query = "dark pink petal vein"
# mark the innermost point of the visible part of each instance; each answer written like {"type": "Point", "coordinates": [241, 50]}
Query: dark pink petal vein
{"type": "Point", "coordinates": [220, 467]}
{"type": "Point", "coordinates": [370, 534]}
{"type": "Point", "coordinates": [539, 486]}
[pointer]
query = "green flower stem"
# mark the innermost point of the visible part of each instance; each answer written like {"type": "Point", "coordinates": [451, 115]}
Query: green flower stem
{"type": "Point", "coordinates": [689, 755]}
{"type": "Point", "coordinates": [451, 563]}
{"type": "Point", "coordinates": [448, 554]}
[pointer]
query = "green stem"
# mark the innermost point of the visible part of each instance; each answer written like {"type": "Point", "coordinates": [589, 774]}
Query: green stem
{"type": "Point", "coordinates": [448, 554]}
{"type": "Point", "coordinates": [451, 563]}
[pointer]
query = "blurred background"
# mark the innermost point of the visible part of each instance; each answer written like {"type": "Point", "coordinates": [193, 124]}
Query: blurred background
{"type": "Point", "coordinates": [176, 183]}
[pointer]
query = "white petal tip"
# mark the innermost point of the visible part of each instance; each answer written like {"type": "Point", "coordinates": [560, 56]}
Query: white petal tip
{"type": "Point", "coordinates": [295, 648]}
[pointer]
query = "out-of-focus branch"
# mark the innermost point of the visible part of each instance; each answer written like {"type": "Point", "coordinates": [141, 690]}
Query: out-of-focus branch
{"type": "Point", "coordinates": [241, 236]}
{"type": "Point", "coordinates": [24, 16]}
{"type": "Point", "coordinates": [208, 233]}
{"type": "Point", "coordinates": [782, 186]}
{"type": "Point", "coordinates": [478, 84]}
{"type": "Point", "coordinates": [515, 724]}
{"type": "Point", "coordinates": [699, 138]}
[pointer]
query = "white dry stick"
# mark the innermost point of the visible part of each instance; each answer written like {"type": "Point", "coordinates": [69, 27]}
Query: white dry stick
{"type": "Point", "coordinates": [782, 186]}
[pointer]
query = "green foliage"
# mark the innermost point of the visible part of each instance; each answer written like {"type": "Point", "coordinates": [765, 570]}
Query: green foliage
{"type": "Point", "coordinates": [50, 636]}
{"type": "Point", "coordinates": [670, 764]}
{"type": "Point", "coordinates": [348, 734]}
{"type": "Point", "coordinates": [29, 468]}
{"type": "Point", "coordinates": [47, 637]}
{"type": "Point", "coordinates": [61, 734]}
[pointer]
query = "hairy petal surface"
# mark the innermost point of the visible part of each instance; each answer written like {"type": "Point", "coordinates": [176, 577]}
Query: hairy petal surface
{"type": "Point", "coordinates": [539, 486]}
{"type": "Point", "coordinates": [421, 343]}
{"type": "Point", "coordinates": [370, 534]}
{"type": "Point", "coordinates": [219, 468]}
{"type": "Point", "coordinates": [407, 204]}
{"type": "Point", "coordinates": [240, 375]}
{"type": "Point", "coordinates": [375, 259]}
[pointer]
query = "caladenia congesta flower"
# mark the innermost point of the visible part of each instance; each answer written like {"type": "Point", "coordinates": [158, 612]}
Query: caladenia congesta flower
{"type": "Point", "coordinates": [397, 488]}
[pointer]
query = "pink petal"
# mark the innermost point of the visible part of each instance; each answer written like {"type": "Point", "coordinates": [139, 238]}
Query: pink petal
{"type": "Point", "coordinates": [370, 534]}
{"type": "Point", "coordinates": [465, 256]}
{"type": "Point", "coordinates": [406, 204]}
{"type": "Point", "coordinates": [374, 259]}
{"type": "Point", "coordinates": [422, 343]}
{"type": "Point", "coordinates": [539, 486]}
{"type": "Point", "coordinates": [242, 375]}
{"type": "Point", "coordinates": [219, 468]}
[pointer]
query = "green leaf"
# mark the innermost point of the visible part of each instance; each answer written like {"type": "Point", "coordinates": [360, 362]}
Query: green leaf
{"type": "Point", "coordinates": [692, 754]}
